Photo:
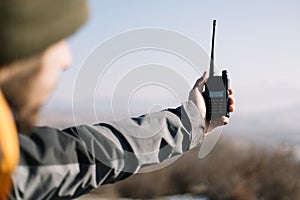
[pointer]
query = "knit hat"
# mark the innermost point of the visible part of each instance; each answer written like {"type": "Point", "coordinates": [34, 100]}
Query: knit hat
{"type": "Point", "coordinates": [27, 27]}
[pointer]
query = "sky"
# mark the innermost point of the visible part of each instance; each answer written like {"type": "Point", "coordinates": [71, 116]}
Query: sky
{"type": "Point", "coordinates": [257, 41]}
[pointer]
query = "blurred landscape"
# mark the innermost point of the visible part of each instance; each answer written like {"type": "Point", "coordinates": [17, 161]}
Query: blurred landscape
{"type": "Point", "coordinates": [256, 157]}
{"type": "Point", "coordinates": [228, 172]}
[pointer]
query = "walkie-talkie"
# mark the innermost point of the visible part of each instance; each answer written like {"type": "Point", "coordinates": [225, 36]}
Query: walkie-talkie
{"type": "Point", "coordinates": [216, 89]}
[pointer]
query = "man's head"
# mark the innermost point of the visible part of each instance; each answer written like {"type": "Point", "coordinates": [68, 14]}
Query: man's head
{"type": "Point", "coordinates": [26, 84]}
{"type": "Point", "coordinates": [33, 52]}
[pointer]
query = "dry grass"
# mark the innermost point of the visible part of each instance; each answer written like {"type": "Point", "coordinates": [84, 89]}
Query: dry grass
{"type": "Point", "coordinates": [228, 172]}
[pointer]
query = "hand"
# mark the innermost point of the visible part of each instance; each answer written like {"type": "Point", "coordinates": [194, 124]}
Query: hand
{"type": "Point", "coordinates": [197, 97]}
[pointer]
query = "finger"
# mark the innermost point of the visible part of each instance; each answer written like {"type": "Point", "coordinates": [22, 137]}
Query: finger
{"type": "Point", "coordinates": [231, 108]}
{"type": "Point", "coordinates": [231, 100]}
{"type": "Point", "coordinates": [231, 91]}
{"type": "Point", "coordinates": [225, 120]}
{"type": "Point", "coordinates": [201, 81]}
{"type": "Point", "coordinates": [201, 85]}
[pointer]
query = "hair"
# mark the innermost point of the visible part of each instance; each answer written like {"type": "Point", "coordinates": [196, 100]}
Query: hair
{"type": "Point", "coordinates": [16, 80]}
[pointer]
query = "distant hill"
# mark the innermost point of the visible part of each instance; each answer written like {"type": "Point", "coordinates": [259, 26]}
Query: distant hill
{"type": "Point", "coordinates": [267, 128]}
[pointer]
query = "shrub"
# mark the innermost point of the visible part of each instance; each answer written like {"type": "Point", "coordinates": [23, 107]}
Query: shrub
{"type": "Point", "coordinates": [230, 171]}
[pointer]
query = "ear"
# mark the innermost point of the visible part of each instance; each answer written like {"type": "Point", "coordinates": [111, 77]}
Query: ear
{"type": "Point", "coordinates": [9, 147]}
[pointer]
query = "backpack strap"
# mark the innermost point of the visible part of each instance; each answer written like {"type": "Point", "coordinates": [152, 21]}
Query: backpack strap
{"type": "Point", "coordinates": [9, 147]}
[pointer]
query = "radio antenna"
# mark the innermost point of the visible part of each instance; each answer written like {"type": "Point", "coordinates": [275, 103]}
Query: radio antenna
{"type": "Point", "coordinates": [211, 69]}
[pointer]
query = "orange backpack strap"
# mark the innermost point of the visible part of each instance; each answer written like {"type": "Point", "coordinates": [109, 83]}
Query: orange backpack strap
{"type": "Point", "coordinates": [9, 147]}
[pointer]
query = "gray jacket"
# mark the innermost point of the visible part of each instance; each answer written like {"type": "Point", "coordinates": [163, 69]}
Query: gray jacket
{"type": "Point", "coordinates": [64, 164]}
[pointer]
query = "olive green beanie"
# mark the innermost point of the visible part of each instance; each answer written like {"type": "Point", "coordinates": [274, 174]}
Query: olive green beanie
{"type": "Point", "coordinates": [27, 27]}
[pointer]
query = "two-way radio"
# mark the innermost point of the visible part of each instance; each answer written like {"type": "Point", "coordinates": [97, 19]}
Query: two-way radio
{"type": "Point", "coordinates": [216, 89]}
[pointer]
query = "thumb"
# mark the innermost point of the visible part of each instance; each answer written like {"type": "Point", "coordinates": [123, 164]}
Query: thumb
{"type": "Point", "coordinates": [201, 81]}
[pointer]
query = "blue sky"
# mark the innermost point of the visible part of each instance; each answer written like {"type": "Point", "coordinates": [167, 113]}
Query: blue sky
{"type": "Point", "coordinates": [257, 41]}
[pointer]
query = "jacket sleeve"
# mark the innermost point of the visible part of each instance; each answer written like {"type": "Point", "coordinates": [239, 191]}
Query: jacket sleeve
{"type": "Point", "coordinates": [65, 164]}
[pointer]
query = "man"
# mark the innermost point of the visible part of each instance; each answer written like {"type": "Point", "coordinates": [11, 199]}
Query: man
{"type": "Point", "coordinates": [64, 164]}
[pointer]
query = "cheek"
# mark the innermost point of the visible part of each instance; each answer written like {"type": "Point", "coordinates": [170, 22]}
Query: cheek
{"type": "Point", "coordinates": [54, 61]}
{"type": "Point", "coordinates": [37, 94]}
{"type": "Point", "coordinates": [48, 80]}
{"type": "Point", "coordinates": [50, 77]}
{"type": "Point", "coordinates": [43, 86]}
